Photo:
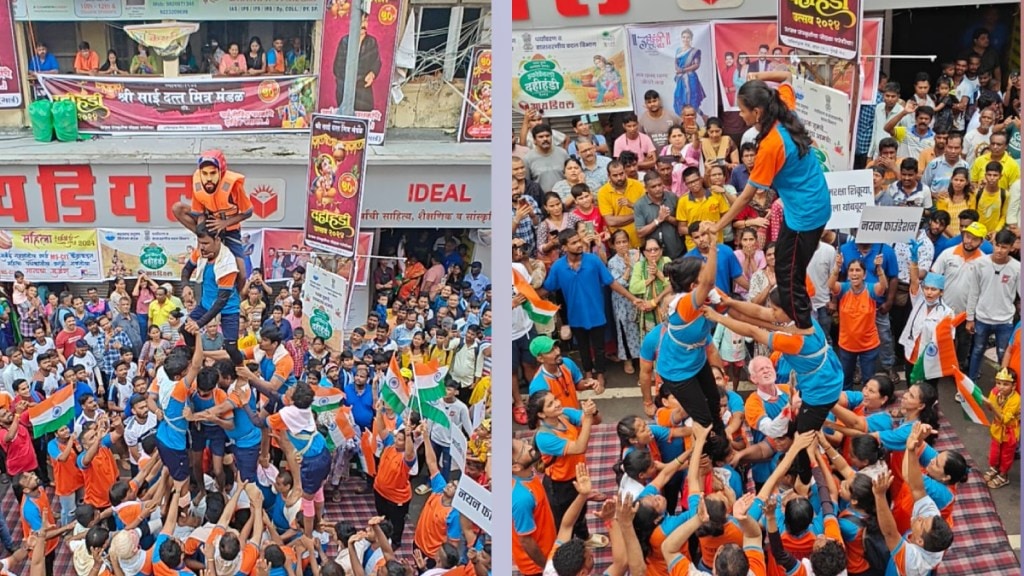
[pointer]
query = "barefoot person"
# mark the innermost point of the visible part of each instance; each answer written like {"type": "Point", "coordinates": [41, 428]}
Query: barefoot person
{"type": "Point", "coordinates": [218, 199]}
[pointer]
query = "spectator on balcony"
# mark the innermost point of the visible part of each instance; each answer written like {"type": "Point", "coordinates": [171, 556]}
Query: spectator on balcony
{"type": "Point", "coordinates": [256, 58]}
{"type": "Point", "coordinates": [43, 62]}
{"type": "Point", "coordinates": [233, 63]}
{"type": "Point", "coordinates": [142, 62]}
{"type": "Point", "coordinates": [87, 61]}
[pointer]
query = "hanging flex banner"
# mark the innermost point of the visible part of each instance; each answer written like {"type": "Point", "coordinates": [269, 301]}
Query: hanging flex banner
{"type": "Point", "coordinates": [573, 71]}
{"type": "Point", "coordinates": [378, 41]}
{"type": "Point", "coordinates": [746, 46]}
{"type": "Point", "coordinates": [676, 61]}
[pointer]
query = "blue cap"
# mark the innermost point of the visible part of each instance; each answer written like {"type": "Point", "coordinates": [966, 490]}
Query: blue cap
{"type": "Point", "coordinates": [935, 280]}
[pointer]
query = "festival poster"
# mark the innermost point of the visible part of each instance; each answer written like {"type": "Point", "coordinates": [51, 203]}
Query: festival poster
{"type": "Point", "coordinates": [10, 75]}
{"type": "Point", "coordinates": [159, 253]}
{"type": "Point", "coordinates": [192, 10]}
{"type": "Point", "coordinates": [337, 168]}
{"type": "Point", "coordinates": [325, 304]}
{"type": "Point", "coordinates": [676, 61]}
{"type": "Point", "coordinates": [186, 105]}
{"type": "Point", "coordinates": [377, 46]}
{"type": "Point", "coordinates": [821, 110]}
{"type": "Point", "coordinates": [746, 46]}
{"type": "Point", "coordinates": [282, 251]}
{"type": "Point", "coordinates": [475, 121]}
{"type": "Point", "coordinates": [832, 29]}
{"type": "Point", "coordinates": [571, 71]}
{"type": "Point", "coordinates": [50, 255]}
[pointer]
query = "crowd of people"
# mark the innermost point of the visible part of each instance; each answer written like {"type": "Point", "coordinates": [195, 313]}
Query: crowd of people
{"type": "Point", "coordinates": [698, 261]}
{"type": "Point", "coordinates": [201, 429]}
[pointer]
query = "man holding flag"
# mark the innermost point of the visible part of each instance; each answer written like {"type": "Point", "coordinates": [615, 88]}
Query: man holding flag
{"type": "Point", "coordinates": [16, 441]}
{"type": "Point", "coordinates": [527, 308]}
{"type": "Point", "coordinates": [438, 401]}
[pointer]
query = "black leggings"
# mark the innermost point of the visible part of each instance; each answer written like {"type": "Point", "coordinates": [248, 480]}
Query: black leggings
{"type": "Point", "coordinates": [591, 343]}
{"type": "Point", "coordinates": [699, 397]}
{"type": "Point", "coordinates": [561, 496]}
{"type": "Point", "coordinates": [793, 252]}
{"type": "Point", "coordinates": [809, 418]}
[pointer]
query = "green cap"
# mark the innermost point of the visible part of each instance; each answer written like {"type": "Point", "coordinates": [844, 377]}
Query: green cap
{"type": "Point", "coordinates": [541, 345]}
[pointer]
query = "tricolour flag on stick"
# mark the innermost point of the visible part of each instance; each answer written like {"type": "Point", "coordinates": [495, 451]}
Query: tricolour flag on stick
{"type": "Point", "coordinates": [433, 412]}
{"type": "Point", "coordinates": [366, 447]}
{"type": "Point", "coordinates": [326, 399]}
{"type": "Point", "coordinates": [971, 398]}
{"type": "Point", "coordinates": [395, 391]}
{"type": "Point", "coordinates": [429, 380]}
{"type": "Point", "coordinates": [937, 351]}
{"type": "Point", "coordinates": [341, 427]}
{"type": "Point", "coordinates": [52, 413]}
{"type": "Point", "coordinates": [538, 309]}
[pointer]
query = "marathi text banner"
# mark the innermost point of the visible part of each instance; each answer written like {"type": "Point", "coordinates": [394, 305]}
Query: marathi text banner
{"type": "Point", "coordinates": [475, 122]}
{"type": "Point", "coordinates": [337, 173]}
{"type": "Point", "coordinates": [49, 255]}
{"type": "Point", "coordinates": [186, 105]}
{"type": "Point", "coordinates": [160, 254]}
{"type": "Point", "coordinates": [196, 10]}
{"type": "Point", "coordinates": [571, 71]}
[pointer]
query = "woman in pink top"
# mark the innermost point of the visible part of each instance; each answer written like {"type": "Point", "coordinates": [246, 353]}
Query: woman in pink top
{"type": "Point", "coordinates": [684, 155]}
{"type": "Point", "coordinates": [144, 293]}
{"type": "Point", "coordinates": [751, 259]}
{"type": "Point", "coordinates": [233, 63]}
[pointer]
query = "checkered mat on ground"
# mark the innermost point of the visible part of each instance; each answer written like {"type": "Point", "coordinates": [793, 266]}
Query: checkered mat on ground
{"type": "Point", "coordinates": [355, 508]}
{"type": "Point", "coordinates": [980, 545]}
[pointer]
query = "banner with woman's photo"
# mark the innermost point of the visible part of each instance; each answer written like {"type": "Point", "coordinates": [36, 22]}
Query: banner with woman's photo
{"type": "Point", "coordinates": [571, 72]}
{"type": "Point", "coordinates": [742, 47]}
{"type": "Point", "coordinates": [282, 251]}
{"type": "Point", "coordinates": [676, 61]}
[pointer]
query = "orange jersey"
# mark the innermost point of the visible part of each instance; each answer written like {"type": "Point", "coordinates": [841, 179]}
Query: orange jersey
{"type": "Point", "coordinates": [392, 480]}
{"type": "Point", "coordinates": [432, 527]}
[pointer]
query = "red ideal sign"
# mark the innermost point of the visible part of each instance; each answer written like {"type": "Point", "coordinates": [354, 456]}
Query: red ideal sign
{"type": "Point", "coordinates": [572, 8]}
{"type": "Point", "coordinates": [107, 196]}
{"type": "Point", "coordinates": [10, 78]}
{"type": "Point", "coordinates": [830, 27]}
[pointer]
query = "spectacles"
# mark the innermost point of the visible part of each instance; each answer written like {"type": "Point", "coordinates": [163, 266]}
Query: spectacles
{"type": "Point", "coordinates": [654, 249]}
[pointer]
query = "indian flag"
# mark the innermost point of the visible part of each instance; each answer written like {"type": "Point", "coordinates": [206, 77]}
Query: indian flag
{"type": "Point", "coordinates": [326, 399]}
{"type": "Point", "coordinates": [395, 392]}
{"type": "Point", "coordinates": [429, 380]}
{"type": "Point", "coordinates": [49, 415]}
{"type": "Point", "coordinates": [341, 427]}
{"type": "Point", "coordinates": [971, 398]}
{"type": "Point", "coordinates": [433, 412]}
{"type": "Point", "coordinates": [539, 310]}
{"type": "Point", "coordinates": [366, 461]}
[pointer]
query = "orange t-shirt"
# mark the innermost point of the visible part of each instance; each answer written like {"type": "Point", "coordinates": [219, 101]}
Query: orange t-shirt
{"type": "Point", "coordinates": [709, 545]}
{"type": "Point", "coordinates": [857, 330]}
{"type": "Point", "coordinates": [66, 476]}
{"type": "Point", "coordinates": [544, 529]}
{"type": "Point", "coordinates": [250, 553]}
{"type": "Point", "coordinates": [432, 527]}
{"type": "Point", "coordinates": [89, 63]}
{"type": "Point", "coordinates": [99, 476]}
{"type": "Point", "coordinates": [392, 480]}
{"type": "Point", "coordinates": [42, 502]}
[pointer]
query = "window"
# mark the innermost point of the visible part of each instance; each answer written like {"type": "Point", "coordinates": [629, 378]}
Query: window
{"type": "Point", "coordinates": [445, 36]}
{"type": "Point", "coordinates": [61, 39]}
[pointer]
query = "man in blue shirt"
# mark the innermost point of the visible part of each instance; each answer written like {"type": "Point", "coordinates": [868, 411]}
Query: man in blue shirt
{"type": "Point", "coordinates": [477, 280]}
{"type": "Point", "coordinates": [728, 269]}
{"type": "Point", "coordinates": [581, 277]}
{"type": "Point", "coordinates": [43, 62]}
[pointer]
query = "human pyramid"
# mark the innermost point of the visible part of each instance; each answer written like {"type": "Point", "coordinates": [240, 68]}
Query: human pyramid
{"type": "Point", "coordinates": [845, 482]}
{"type": "Point", "coordinates": [229, 459]}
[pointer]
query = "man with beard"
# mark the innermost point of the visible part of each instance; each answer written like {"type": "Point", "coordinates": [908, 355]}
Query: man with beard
{"type": "Point", "coordinates": [955, 266]}
{"type": "Point", "coordinates": [367, 70]}
{"type": "Point", "coordinates": [656, 120]}
{"type": "Point", "coordinates": [915, 140]}
{"type": "Point", "coordinates": [557, 374]}
{"type": "Point", "coordinates": [546, 162]}
{"type": "Point", "coordinates": [220, 202]}
{"type": "Point", "coordinates": [616, 199]}
{"type": "Point", "coordinates": [655, 216]}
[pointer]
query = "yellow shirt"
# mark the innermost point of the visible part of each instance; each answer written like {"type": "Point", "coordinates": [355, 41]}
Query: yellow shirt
{"type": "Point", "coordinates": [1011, 170]}
{"type": "Point", "coordinates": [710, 208]}
{"type": "Point", "coordinates": [247, 341]}
{"type": "Point", "coordinates": [1006, 423]}
{"type": "Point", "coordinates": [608, 204]}
{"type": "Point", "coordinates": [160, 314]}
{"type": "Point", "coordinates": [992, 209]}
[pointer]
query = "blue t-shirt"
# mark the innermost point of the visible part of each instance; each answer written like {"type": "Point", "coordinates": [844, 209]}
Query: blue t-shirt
{"type": "Point", "coordinates": [211, 289]}
{"type": "Point", "coordinates": [172, 429]}
{"type": "Point", "coordinates": [800, 184]}
{"type": "Point", "coordinates": [48, 64]}
{"type": "Point", "coordinates": [540, 382]}
{"type": "Point", "coordinates": [549, 443]}
{"type": "Point", "coordinates": [361, 404]}
{"type": "Point", "coordinates": [245, 434]}
{"type": "Point", "coordinates": [583, 290]}
{"type": "Point", "coordinates": [728, 267]}
{"type": "Point", "coordinates": [819, 375]}
{"type": "Point", "coordinates": [681, 354]}
{"type": "Point", "coordinates": [523, 505]}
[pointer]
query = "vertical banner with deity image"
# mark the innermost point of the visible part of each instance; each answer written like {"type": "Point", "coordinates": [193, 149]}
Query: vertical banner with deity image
{"type": "Point", "coordinates": [337, 165]}
{"type": "Point", "coordinates": [475, 122]}
{"type": "Point", "coordinates": [676, 61]}
{"type": "Point", "coordinates": [378, 42]}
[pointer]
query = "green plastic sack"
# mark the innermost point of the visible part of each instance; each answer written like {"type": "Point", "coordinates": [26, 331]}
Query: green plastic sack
{"type": "Point", "coordinates": [65, 121]}
{"type": "Point", "coordinates": [41, 118]}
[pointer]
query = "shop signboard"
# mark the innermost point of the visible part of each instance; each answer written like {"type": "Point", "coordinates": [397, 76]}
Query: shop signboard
{"type": "Point", "coordinates": [186, 105]}
{"type": "Point", "coordinates": [49, 255]}
{"type": "Point", "coordinates": [10, 73]}
{"type": "Point", "coordinates": [377, 46]}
